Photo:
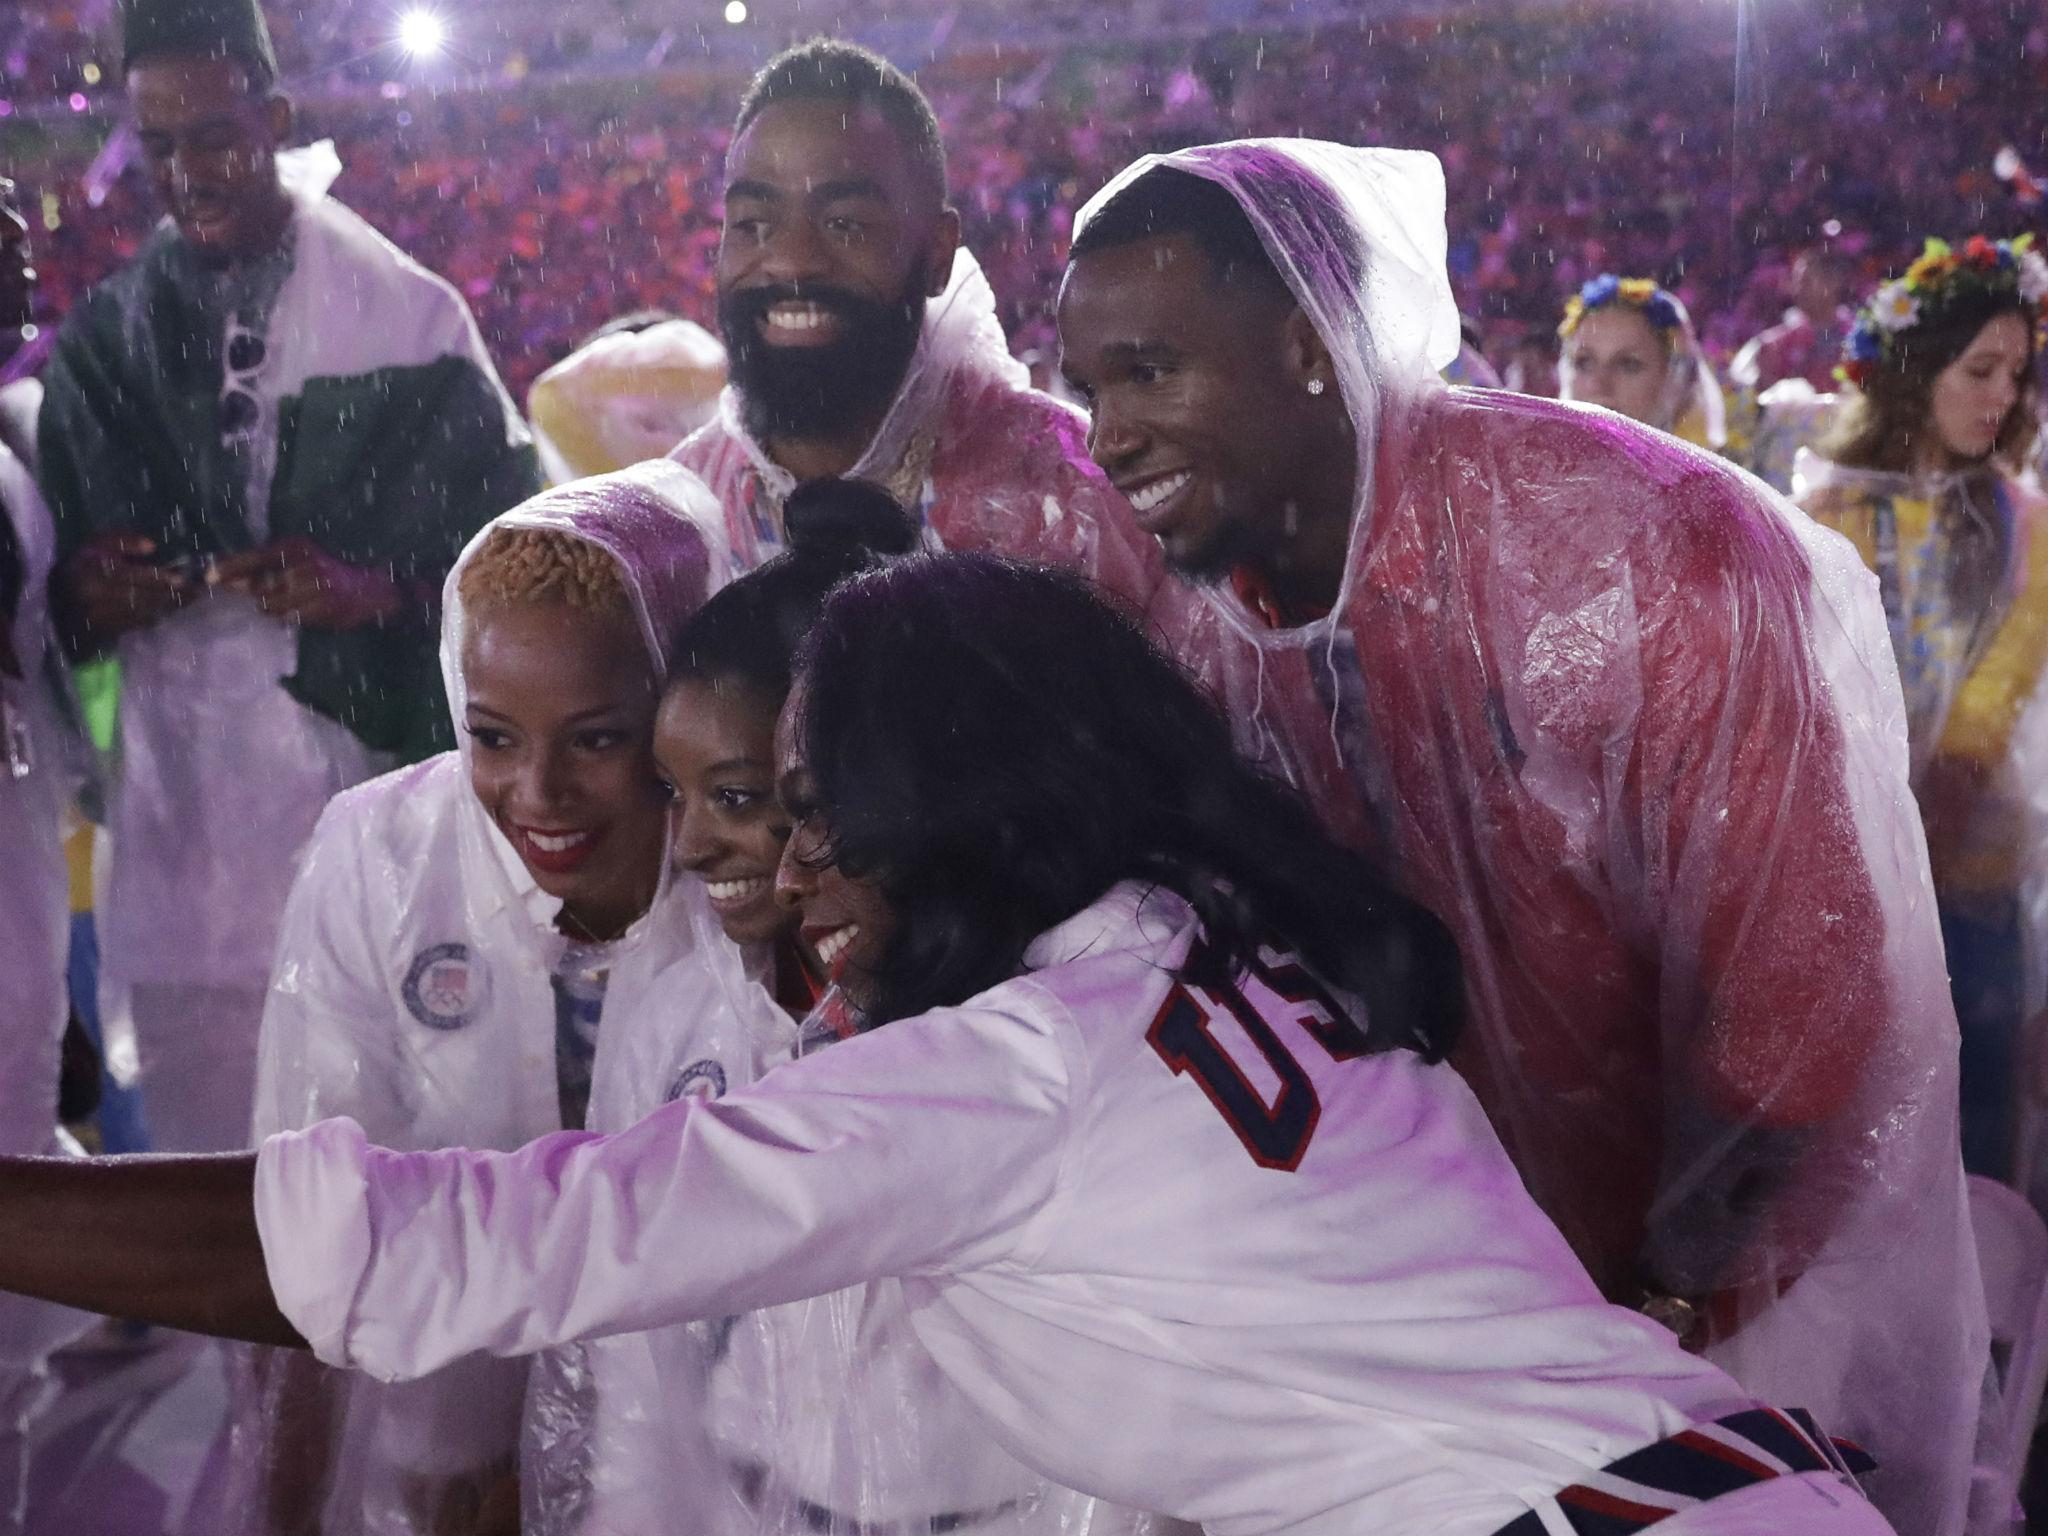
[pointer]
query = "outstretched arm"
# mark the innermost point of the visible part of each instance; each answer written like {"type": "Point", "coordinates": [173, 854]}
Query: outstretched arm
{"type": "Point", "coordinates": [169, 1240]}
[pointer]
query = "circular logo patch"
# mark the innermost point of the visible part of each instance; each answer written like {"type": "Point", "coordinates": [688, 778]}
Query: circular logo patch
{"type": "Point", "coordinates": [444, 987]}
{"type": "Point", "coordinates": [699, 1080]}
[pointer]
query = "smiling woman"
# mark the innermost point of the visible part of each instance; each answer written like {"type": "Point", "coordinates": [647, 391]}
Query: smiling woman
{"type": "Point", "coordinates": [459, 932]}
{"type": "Point", "coordinates": [557, 687]}
{"type": "Point", "coordinates": [1922, 474]}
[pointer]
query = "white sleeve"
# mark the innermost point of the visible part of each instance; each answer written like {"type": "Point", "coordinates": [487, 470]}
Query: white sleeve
{"type": "Point", "coordinates": [921, 1147]}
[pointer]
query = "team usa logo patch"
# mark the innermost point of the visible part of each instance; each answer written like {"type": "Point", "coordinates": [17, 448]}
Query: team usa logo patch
{"type": "Point", "coordinates": [699, 1080]}
{"type": "Point", "coordinates": [444, 987]}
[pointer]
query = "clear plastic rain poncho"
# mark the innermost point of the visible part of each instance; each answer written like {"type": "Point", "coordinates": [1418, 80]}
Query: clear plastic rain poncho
{"type": "Point", "coordinates": [1767, 432]}
{"type": "Point", "coordinates": [625, 398]}
{"type": "Point", "coordinates": [976, 454]}
{"type": "Point", "coordinates": [416, 991]}
{"type": "Point", "coordinates": [1689, 400]}
{"type": "Point", "coordinates": [222, 770]}
{"type": "Point", "coordinates": [36, 785]}
{"type": "Point", "coordinates": [1631, 725]}
{"type": "Point", "coordinates": [1962, 567]}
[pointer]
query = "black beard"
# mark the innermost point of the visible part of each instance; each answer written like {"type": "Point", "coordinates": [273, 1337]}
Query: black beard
{"type": "Point", "coordinates": [810, 392]}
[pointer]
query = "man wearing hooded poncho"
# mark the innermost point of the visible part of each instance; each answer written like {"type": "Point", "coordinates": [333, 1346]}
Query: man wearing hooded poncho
{"type": "Point", "coordinates": [864, 340]}
{"type": "Point", "coordinates": [1623, 721]}
{"type": "Point", "coordinates": [263, 442]}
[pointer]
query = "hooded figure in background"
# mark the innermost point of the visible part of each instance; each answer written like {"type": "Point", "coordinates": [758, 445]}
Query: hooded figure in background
{"type": "Point", "coordinates": [263, 442]}
{"type": "Point", "coordinates": [1624, 722]}
{"type": "Point", "coordinates": [1630, 346]}
{"type": "Point", "coordinates": [465, 938]}
{"type": "Point", "coordinates": [631, 392]}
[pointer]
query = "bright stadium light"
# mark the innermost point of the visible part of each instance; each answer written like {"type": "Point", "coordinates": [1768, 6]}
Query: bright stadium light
{"type": "Point", "coordinates": [422, 33]}
{"type": "Point", "coordinates": [736, 11]}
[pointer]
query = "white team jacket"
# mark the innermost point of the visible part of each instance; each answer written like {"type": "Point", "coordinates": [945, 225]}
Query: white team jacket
{"type": "Point", "coordinates": [1182, 1251]}
{"type": "Point", "coordinates": [826, 1405]}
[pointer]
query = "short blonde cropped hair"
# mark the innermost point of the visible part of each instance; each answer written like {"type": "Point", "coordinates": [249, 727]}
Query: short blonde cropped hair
{"type": "Point", "coordinates": [542, 565]}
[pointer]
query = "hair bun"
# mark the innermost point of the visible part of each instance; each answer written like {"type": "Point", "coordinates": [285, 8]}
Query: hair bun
{"type": "Point", "coordinates": [840, 521]}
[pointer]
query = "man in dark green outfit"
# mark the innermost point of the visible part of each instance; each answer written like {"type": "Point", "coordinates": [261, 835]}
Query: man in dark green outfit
{"type": "Point", "coordinates": [264, 442]}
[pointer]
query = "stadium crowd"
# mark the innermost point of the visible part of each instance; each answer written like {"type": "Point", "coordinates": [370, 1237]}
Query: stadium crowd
{"type": "Point", "coordinates": [779, 931]}
{"type": "Point", "coordinates": [1577, 140]}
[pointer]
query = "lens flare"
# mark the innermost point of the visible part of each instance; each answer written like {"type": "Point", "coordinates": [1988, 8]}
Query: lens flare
{"type": "Point", "coordinates": [422, 34]}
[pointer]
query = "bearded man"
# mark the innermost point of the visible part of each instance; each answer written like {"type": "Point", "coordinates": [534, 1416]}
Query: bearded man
{"type": "Point", "coordinates": [864, 340]}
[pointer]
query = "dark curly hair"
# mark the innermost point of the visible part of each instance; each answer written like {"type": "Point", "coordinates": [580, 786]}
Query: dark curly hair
{"type": "Point", "coordinates": [995, 746]}
{"type": "Point", "coordinates": [830, 69]}
{"type": "Point", "coordinates": [748, 632]}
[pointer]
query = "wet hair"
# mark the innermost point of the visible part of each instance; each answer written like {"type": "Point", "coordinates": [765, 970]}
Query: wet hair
{"type": "Point", "coordinates": [827, 69]}
{"type": "Point", "coordinates": [995, 747]}
{"type": "Point", "coordinates": [1165, 202]}
{"type": "Point", "coordinates": [1887, 419]}
{"type": "Point", "coordinates": [541, 565]}
{"type": "Point", "coordinates": [748, 633]}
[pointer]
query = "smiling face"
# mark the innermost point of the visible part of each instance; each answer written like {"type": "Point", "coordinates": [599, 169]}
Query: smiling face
{"type": "Point", "coordinates": [1202, 414]}
{"type": "Point", "coordinates": [209, 143]}
{"type": "Point", "coordinates": [560, 716]}
{"type": "Point", "coordinates": [845, 923]}
{"type": "Point", "coordinates": [833, 240]}
{"type": "Point", "coordinates": [1619, 361]}
{"type": "Point", "coordinates": [715, 745]}
{"type": "Point", "coordinates": [1973, 396]}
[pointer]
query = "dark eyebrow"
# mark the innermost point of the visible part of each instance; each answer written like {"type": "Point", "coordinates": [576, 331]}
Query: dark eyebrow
{"type": "Point", "coordinates": [596, 712]}
{"type": "Point", "coordinates": [759, 190]}
{"type": "Point", "coordinates": [1126, 351]}
{"type": "Point", "coordinates": [737, 765]}
{"type": "Point", "coordinates": [839, 191]}
{"type": "Point", "coordinates": [789, 792]}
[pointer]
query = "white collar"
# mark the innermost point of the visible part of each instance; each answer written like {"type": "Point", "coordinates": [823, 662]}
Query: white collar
{"type": "Point", "coordinates": [538, 905]}
{"type": "Point", "coordinates": [1132, 914]}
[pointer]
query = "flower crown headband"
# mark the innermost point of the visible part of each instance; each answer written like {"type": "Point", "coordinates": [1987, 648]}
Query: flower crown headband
{"type": "Point", "coordinates": [1939, 280]}
{"type": "Point", "coordinates": [1639, 293]}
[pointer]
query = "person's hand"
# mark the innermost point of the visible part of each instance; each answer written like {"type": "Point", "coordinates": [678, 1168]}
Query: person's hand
{"type": "Point", "coordinates": [115, 585]}
{"type": "Point", "coordinates": [299, 581]}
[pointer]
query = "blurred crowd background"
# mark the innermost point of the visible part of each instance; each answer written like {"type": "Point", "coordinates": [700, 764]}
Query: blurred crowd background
{"type": "Point", "coordinates": [1704, 143]}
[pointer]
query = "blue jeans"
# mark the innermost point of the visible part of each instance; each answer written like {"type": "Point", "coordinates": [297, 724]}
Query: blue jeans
{"type": "Point", "coordinates": [1985, 979]}
{"type": "Point", "coordinates": [121, 1126]}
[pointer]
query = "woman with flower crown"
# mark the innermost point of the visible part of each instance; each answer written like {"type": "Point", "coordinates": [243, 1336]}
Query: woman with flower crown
{"type": "Point", "coordinates": [1630, 346]}
{"type": "Point", "coordinates": [1921, 471]}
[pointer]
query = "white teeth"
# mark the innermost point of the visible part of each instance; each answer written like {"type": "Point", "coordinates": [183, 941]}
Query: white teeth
{"type": "Point", "coordinates": [734, 890]}
{"type": "Point", "coordinates": [557, 844]}
{"type": "Point", "coordinates": [833, 945]}
{"type": "Point", "coordinates": [1150, 496]}
{"type": "Point", "coordinates": [797, 317]}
